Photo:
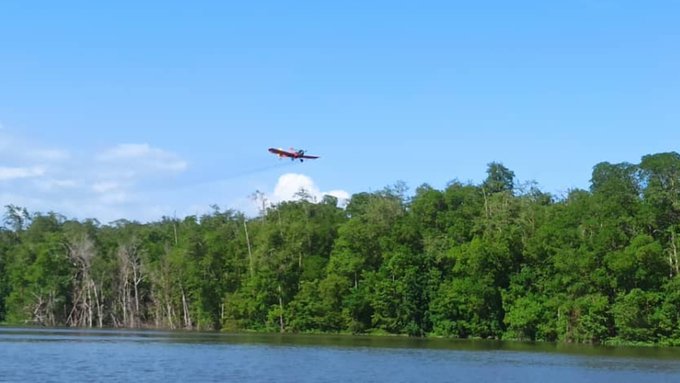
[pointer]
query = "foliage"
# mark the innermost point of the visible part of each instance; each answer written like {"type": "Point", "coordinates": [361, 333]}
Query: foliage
{"type": "Point", "coordinates": [495, 260]}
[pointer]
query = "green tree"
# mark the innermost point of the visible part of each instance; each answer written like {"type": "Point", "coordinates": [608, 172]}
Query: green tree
{"type": "Point", "coordinates": [499, 178]}
{"type": "Point", "coordinates": [39, 274]}
{"type": "Point", "coordinates": [635, 315]}
{"type": "Point", "coordinates": [585, 319]}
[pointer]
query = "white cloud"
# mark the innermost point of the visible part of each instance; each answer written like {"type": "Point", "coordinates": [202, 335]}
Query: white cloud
{"type": "Point", "coordinates": [127, 151]}
{"type": "Point", "coordinates": [105, 186]}
{"type": "Point", "coordinates": [11, 173]}
{"type": "Point", "coordinates": [289, 186]}
{"type": "Point", "coordinates": [131, 181]}
{"type": "Point", "coordinates": [49, 154]}
{"type": "Point", "coordinates": [19, 149]}
{"type": "Point", "coordinates": [143, 158]}
{"type": "Point", "coordinates": [82, 184]}
{"type": "Point", "coordinates": [22, 200]}
{"type": "Point", "coordinates": [114, 198]}
{"type": "Point", "coordinates": [341, 195]}
{"type": "Point", "coordinates": [57, 184]}
{"type": "Point", "coordinates": [121, 168]}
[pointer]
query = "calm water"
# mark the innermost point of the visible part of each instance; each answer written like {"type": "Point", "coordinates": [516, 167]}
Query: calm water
{"type": "Point", "coordinates": [58, 355]}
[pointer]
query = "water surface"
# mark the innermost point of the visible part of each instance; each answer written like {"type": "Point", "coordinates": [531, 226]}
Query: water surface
{"type": "Point", "coordinates": [66, 355]}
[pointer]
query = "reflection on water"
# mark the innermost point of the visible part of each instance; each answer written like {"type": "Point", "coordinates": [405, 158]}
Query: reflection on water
{"type": "Point", "coordinates": [59, 355]}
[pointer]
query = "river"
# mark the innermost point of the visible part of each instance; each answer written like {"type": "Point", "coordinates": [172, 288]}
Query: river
{"type": "Point", "coordinates": [68, 355]}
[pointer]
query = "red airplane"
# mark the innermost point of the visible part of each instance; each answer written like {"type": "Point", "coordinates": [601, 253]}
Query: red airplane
{"type": "Point", "coordinates": [292, 154]}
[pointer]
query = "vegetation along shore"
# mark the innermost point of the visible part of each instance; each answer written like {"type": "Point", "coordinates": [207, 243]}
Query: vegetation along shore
{"type": "Point", "coordinates": [490, 260]}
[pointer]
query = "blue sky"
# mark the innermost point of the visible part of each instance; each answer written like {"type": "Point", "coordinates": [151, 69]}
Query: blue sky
{"type": "Point", "coordinates": [136, 111]}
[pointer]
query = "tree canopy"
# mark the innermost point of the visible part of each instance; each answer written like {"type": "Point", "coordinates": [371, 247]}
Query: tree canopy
{"type": "Point", "coordinates": [494, 260]}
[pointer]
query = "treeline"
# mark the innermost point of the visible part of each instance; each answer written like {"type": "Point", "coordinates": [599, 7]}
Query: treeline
{"type": "Point", "coordinates": [494, 260]}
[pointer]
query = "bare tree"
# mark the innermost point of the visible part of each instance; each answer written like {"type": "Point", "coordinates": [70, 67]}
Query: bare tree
{"type": "Point", "coordinates": [81, 250]}
{"type": "Point", "coordinates": [673, 255]}
{"type": "Point", "coordinates": [44, 307]}
{"type": "Point", "coordinates": [260, 199]}
{"type": "Point", "coordinates": [162, 293]}
{"type": "Point", "coordinates": [131, 275]}
{"type": "Point", "coordinates": [250, 251]}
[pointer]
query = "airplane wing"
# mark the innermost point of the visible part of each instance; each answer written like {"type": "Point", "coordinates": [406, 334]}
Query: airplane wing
{"type": "Point", "coordinates": [291, 154]}
{"type": "Point", "coordinates": [280, 152]}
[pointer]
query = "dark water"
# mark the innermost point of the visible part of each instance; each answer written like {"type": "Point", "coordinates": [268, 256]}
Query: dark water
{"type": "Point", "coordinates": [59, 355]}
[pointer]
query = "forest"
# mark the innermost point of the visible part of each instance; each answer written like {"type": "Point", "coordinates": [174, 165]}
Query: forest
{"type": "Point", "coordinates": [495, 260]}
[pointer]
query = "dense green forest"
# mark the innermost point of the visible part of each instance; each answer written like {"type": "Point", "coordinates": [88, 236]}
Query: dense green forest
{"type": "Point", "coordinates": [494, 260]}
